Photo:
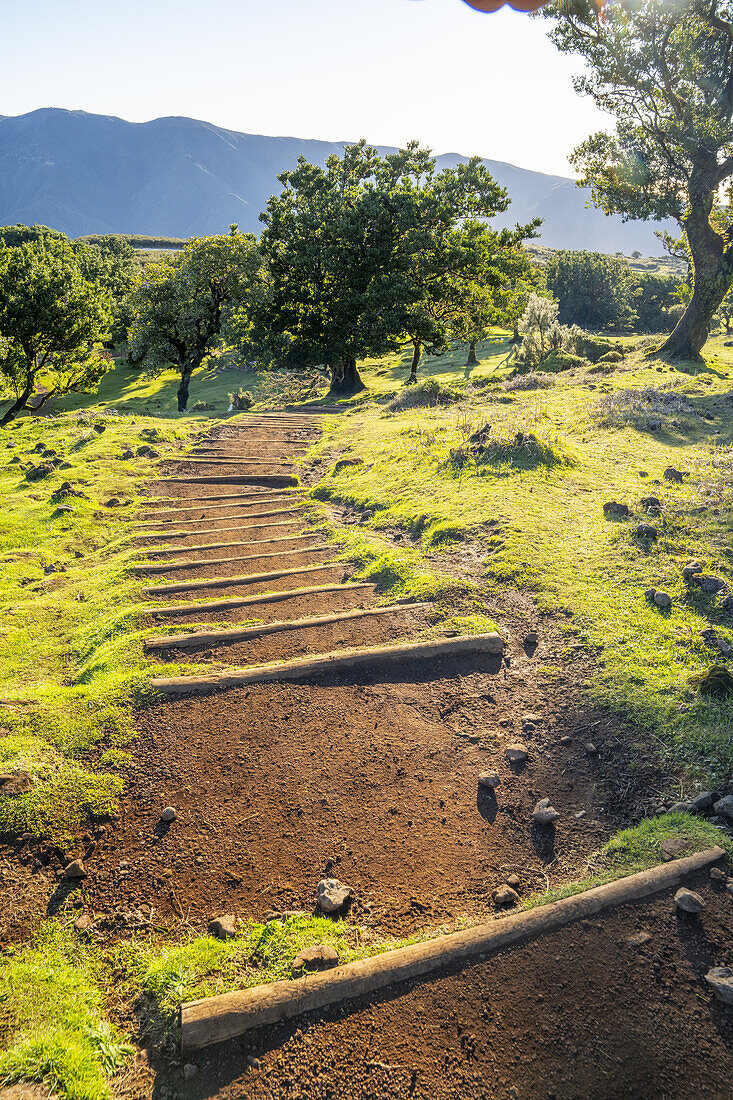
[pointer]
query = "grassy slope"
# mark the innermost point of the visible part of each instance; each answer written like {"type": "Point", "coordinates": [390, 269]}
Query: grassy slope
{"type": "Point", "coordinates": [538, 511]}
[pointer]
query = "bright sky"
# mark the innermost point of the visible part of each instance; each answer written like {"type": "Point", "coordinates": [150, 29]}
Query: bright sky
{"type": "Point", "coordinates": [387, 70]}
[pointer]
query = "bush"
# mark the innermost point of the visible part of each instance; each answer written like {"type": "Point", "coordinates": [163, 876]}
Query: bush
{"type": "Point", "coordinates": [427, 394]}
{"type": "Point", "coordinates": [242, 399]}
{"type": "Point", "coordinates": [612, 357]}
{"type": "Point", "coordinates": [560, 360]}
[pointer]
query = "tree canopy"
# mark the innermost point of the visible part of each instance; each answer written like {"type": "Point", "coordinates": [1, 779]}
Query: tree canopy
{"type": "Point", "coordinates": [179, 306]}
{"type": "Point", "coordinates": [665, 71]}
{"type": "Point", "coordinates": [359, 250]}
{"type": "Point", "coordinates": [50, 318]}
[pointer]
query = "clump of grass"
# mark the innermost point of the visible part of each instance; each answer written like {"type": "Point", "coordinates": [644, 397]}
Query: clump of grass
{"type": "Point", "coordinates": [522, 451]}
{"type": "Point", "coordinates": [636, 849]}
{"type": "Point", "coordinates": [443, 534]}
{"type": "Point", "coordinates": [60, 800]}
{"type": "Point", "coordinates": [530, 381]}
{"type": "Point", "coordinates": [52, 1012]}
{"type": "Point", "coordinates": [636, 407]}
{"type": "Point", "coordinates": [428, 394]}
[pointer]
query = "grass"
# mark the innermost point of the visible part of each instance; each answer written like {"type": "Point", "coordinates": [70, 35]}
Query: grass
{"type": "Point", "coordinates": [532, 500]}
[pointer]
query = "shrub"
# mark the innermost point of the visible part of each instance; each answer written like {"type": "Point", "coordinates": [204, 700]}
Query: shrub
{"type": "Point", "coordinates": [560, 360]}
{"type": "Point", "coordinates": [429, 393]}
{"type": "Point", "coordinates": [242, 399]}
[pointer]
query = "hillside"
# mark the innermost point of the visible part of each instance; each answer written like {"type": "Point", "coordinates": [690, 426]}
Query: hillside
{"type": "Point", "coordinates": [180, 177]}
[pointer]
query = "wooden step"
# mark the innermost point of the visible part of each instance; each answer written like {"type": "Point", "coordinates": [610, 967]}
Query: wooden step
{"type": "Point", "coordinates": [236, 582]}
{"type": "Point", "coordinates": [150, 535]}
{"type": "Point", "coordinates": [244, 461]}
{"type": "Point", "coordinates": [167, 523]}
{"type": "Point", "coordinates": [224, 545]}
{"type": "Point", "coordinates": [249, 601]}
{"type": "Point", "coordinates": [276, 480]}
{"type": "Point", "coordinates": [240, 634]}
{"type": "Point", "coordinates": [167, 566]}
{"type": "Point", "coordinates": [329, 663]}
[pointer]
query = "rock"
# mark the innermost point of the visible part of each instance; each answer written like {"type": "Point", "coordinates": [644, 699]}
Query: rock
{"type": "Point", "coordinates": [566, 740]}
{"type": "Point", "coordinates": [331, 895]}
{"type": "Point", "coordinates": [726, 605]}
{"type": "Point", "coordinates": [489, 779]}
{"type": "Point", "coordinates": [662, 599]}
{"type": "Point", "coordinates": [651, 505]}
{"type": "Point", "coordinates": [670, 847]}
{"type": "Point", "coordinates": [650, 593]}
{"type": "Point", "coordinates": [544, 813]}
{"type": "Point", "coordinates": [113, 502]}
{"type": "Point", "coordinates": [724, 807]}
{"type": "Point", "coordinates": [688, 901]}
{"type": "Point", "coordinates": [654, 424]}
{"type": "Point", "coordinates": [591, 749]}
{"type": "Point", "coordinates": [224, 927]}
{"type": "Point", "coordinates": [514, 881]}
{"type": "Point", "coordinates": [83, 923]}
{"type": "Point", "coordinates": [680, 808]}
{"type": "Point", "coordinates": [19, 782]}
{"type": "Point", "coordinates": [190, 1071]}
{"type": "Point", "coordinates": [168, 814]}
{"type": "Point", "coordinates": [504, 897]}
{"type": "Point", "coordinates": [701, 802]}
{"type": "Point", "coordinates": [320, 957]}
{"type": "Point", "coordinates": [531, 719]}
{"type": "Point", "coordinates": [638, 939]}
{"type": "Point", "coordinates": [516, 753]}
{"type": "Point", "coordinates": [717, 874]}
{"type": "Point", "coordinates": [708, 584]}
{"type": "Point", "coordinates": [75, 870]}
{"type": "Point", "coordinates": [645, 531]}
{"type": "Point", "coordinates": [613, 508]}
{"type": "Point", "coordinates": [720, 979]}
{"type": "Point", "coordinates": [531, 638]}
{"type": "Point", "coordinates": [671, 474]}
{"type": "Point", "coordinates": [689, 570]}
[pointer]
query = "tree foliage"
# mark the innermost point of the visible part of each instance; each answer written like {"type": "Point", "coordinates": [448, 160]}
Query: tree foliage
{"type": "Point", "coordinates": [50, 318]}
{"type": "Point", "coordinates": [366, 250]}
{"type": "Point", "coordinates": [180, 306]}
{"type": "Point", "coordinates": [665, 71]}
{"type": "Point", "coordinates": [593, 290]}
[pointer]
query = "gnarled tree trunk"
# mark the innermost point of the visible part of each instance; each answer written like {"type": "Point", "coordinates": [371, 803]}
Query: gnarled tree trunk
{"type": "Point", "coordinates": [345, 378]}
{"type": "Point", "coordinates": [18, 405]}
{"type": "Point", "coordinates": [712, 268]}
{"type": "Point", "coordinates": [472, 361]}
{"type": "Point", "coordinates": [416, 356]}
{"type": "Point", "coordinates": [186, 372]}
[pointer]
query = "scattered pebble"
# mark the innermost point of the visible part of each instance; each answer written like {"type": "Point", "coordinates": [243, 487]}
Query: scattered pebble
{"type": "Point", "coordinates": [671, 847]}
{"type": "Point", "coordinates": [75, 870]}
{"type": "Point", "coordinates": [717, 874]}
{"type": "Point", "coordinates": [646, 531]}
{"type": "Point", "coordinates": [331, 895]}
{"type": "Point", "coordinates": [224, 927]}
{"type": "Point", "coordinates": [504, 897]}
{"type": "Point", "coordinates": [168, 814]}
{"type": "Point", "coordinates": [514, 881]}
{"type": "Point", "coordinates": [688, 901]}
{"type": "Point", "coordinates": [662, 599]}
{"type": "Point", "coordinates": [720, 979]}
{"type": "Point", "coordinates": [319, 957]}
{"type": "Point", "coordinates": [701, 802]}
{"type": "Point", "coordinates": [591, 749]}
{"type": "Point", "coordinates": [489, 779]}
{"type": "Point", "coordinates": [638, 939]}
{"type": "Point", "coordinates": [680, 808]}
{"type": "Point", "coordinates": [544, 813]}
{"type": "Point", "coordinates": [566, 740]}
{"type": "Point", "coordinates": [516, 753]}
{"type": "Point", "coordinates": [724, 807]}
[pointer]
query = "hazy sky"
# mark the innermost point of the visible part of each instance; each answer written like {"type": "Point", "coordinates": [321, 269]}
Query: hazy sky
{"type": "Point", "coordinates": [387, 70]}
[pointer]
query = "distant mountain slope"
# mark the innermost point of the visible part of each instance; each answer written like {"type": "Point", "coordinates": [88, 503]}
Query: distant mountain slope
{"type": "Point", "coordinates": [179, 177]}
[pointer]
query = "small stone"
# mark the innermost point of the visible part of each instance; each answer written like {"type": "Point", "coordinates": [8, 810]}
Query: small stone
{"type": "Point", "coordinates": [566, 740]}
{"type": "Point", "coordinates": [113, 502]}
{"type": "Point", "coordinates": [580, 813]}
{"type": "Point", "coordinates": [252, 1062]}
{"type": "Point", "coordinates": [720, 979]}
{"type": "Point", "coordinates": [654, 424]}
{"type": "Point", "coordinates": [514, 881]}
{"type": "Point", "coordinates": [671, 474]}
{"type": "Point", "coordinates": [531, 638]}
{"type": "Point", "coordinates": [504, 897]}
{"type": "Point", "coordinates": [489, 779]}
{"type": "Point", "coordinates": [75, 870]}
{"type": "Point", "coordinates": [650, 593]}
{"type": "Point", "coordinates": [670, 847]}
{"type": "Point", "coordinates": [544, 813]}
{"type": "Point", "coordinates": [701, 802]}
{"type": "Point", "coordinates": [689, 570]}
{"type": "Point", "coordinates": [19, 782]}
{"type": "Point", "coordinates": [680, 808]}
{"type": "Point", "coordinates": [223, 927]}
{"type": "Point", "coordinates": [645, 531]}
{"type": "Point", "coordinates": [651, 505]}
{"type": "Point", "coordinates": [320, 957]}
{"type": "Point", "coordinates": [613, 508]}
{"type": "Point", "coordinates": [531, 719]}
{"type": "Point", "coordinates": [331, 895]}
{"type": "Point", "coordinates": [516, 753]}
{"type": "Point", "coordinates": [591, 749]}
{"type": "Point", "coordinates": [168, 814]}
{"type": "Point", "coordinates": [190, 1071]}
{"type": "Point", "coordinates": [638, 939]}
{"type": "Point", "coordinates": [708, 584]}
{"type": "Point", "coordinates": [83, 923]}
{"type": "Point", "coordinates": [662, 599]}
{"type": "Point", "coordinates": [717, 874]}
{"type": "Point", "coordinates": [724, 807]}
{"type": "Point", "coordinates": [688, 901]}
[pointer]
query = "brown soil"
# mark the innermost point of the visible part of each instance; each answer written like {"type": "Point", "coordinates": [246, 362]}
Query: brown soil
{"type": "Point", "coordinates": [580, 1014]}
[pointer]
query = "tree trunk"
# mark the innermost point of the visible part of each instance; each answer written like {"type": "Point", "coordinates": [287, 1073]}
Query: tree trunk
{"type": "Point", "coordinates": [345, 378]}
{"type": "Point", "coordinates": [712, 274]}
{"type": "Point", "coordinates": [17, 406]}
{"type": "Point", "coordinates": [416, 355]}
{"type": "Point", "coordinates": [472, 361]}
{"type": "Point", "coordinates": [515, 334]}
{"type": "Point", "coordinates": [186, 372]}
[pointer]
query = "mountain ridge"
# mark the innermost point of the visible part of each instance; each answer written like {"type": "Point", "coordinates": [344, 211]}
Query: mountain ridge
{"type": "Point", "coordinates": [181, 177]}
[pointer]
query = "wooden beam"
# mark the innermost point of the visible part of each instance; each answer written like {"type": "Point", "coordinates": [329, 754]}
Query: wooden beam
{"type": "Point", "coordinates": [250, 601]}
